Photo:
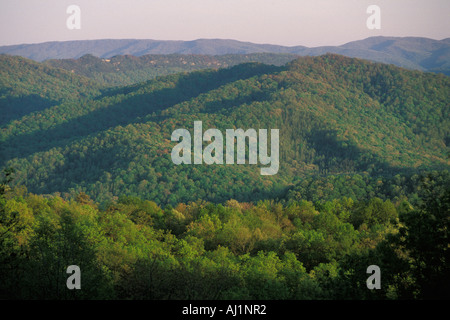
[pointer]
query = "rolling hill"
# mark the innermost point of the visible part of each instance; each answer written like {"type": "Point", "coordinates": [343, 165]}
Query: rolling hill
{"type": "Point", "coordinates": [127, 69]}
{"type": "Point", "coordinates": [336, 115]}
{"type": "Point", "coordinates": [89, 181]}
{"type": "Point", "coordinates": [27, 86]}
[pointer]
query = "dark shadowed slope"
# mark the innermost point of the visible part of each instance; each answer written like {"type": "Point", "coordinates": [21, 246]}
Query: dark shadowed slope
{"type": "Point", "coordinates": [336, 116]}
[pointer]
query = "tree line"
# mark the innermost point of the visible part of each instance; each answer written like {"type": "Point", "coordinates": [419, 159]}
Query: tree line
{"type": "Point", "coordinates": [135, 249]}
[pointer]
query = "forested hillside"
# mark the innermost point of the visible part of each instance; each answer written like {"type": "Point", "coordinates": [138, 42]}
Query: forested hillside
{"type": "Point", "coordinates": [126, 69]}
{"type": "Point", "coordinates": [134, 249]}
{"type": "Point", "coordinates": [88, 179]}
{"type": "Point", "coordinates": [27, 86]}
{"type": "Point", "coordinates": [336, 115]}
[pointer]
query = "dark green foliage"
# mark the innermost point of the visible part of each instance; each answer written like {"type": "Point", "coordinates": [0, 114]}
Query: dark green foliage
{"type": "Point", "coordinates": [363, 180]}
{"type": "Point", "coordinates": [425, 238]}
{"type": "Point", "coordinates": [339, 118]}
{"type": "Point", "coordinates": [127, 70]}
{"type": "Point", "coordinates": [27, 87]}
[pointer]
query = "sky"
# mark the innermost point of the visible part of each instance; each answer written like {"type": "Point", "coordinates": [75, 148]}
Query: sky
{"type": "Point", "coordinates": [309, 23]}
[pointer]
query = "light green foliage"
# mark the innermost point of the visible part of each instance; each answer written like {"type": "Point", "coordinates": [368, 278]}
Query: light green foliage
{"type": "Point", "coordinates": [134, 249]}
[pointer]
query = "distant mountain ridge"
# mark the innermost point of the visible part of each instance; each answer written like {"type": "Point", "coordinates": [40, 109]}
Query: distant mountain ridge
{"type": "Point", "coordinates": [127, 69]}
{"type": "Point", "coordinates": [417, 53]}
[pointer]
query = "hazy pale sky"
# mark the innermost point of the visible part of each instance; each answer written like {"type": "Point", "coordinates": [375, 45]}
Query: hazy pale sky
{"type": "Point", "coordinates": [285, 22]}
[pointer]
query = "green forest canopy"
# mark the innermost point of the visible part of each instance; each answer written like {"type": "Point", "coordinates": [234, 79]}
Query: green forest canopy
{"type": "Point", "coordinates": [363, 180]}
{"type": "Point", "coordinates": [336, 116]}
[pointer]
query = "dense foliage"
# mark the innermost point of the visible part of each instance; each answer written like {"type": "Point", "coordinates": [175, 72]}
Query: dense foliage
{"type": "Point", "coordinates": [89, 181]}
{"type": "Point", "coordinates": [336, 116]}
{"type": "Point", "coordinates": [126, 70]}
{"type": "Point", "coordinates": [27, 86]}
{"type": "Point", "coordinates": [134, 249]}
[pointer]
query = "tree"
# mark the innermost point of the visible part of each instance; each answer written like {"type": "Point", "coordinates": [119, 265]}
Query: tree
{"type": "Point", "coordinates": [425, 239]}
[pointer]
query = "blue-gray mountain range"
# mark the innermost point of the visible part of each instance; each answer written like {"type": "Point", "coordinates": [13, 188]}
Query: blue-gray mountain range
{"type": "Point", "coordinates": [408, 52]}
